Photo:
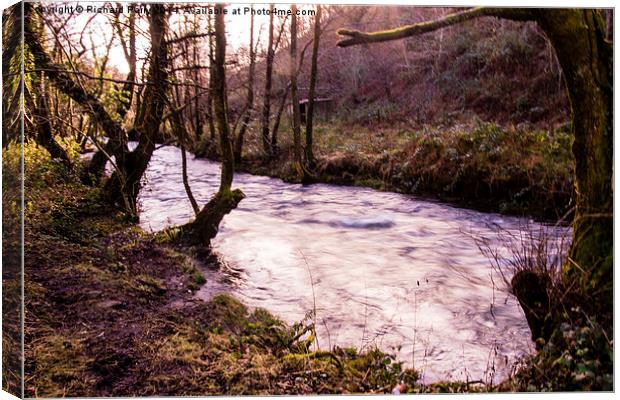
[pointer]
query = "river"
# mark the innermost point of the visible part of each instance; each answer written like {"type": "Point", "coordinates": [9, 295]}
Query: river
{"type": "Point", "coordinates": [380, 269]}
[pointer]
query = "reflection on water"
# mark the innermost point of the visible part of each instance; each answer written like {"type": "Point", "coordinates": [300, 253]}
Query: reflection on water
{"type": "Point", "coordinates": [388, 270]}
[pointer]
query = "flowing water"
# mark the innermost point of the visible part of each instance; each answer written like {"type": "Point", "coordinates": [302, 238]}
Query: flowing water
{"type": "Point", "coordinates": [380, 269]}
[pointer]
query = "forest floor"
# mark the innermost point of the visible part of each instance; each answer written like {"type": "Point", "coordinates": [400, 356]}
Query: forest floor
{"type": "Point", "coordinates": [111, 311]}
{"type": "Point", "coordinates": [521, 171]}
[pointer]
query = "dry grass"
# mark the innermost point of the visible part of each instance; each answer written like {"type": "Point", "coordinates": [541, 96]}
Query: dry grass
{"type": "Point", "coordinates": [542, 250]}
{"type": "Point", "coordinates": [575, 352]}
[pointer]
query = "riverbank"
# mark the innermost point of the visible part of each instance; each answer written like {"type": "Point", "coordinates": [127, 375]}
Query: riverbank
{"type": "Point", "coordinates": [110, 311]}
{"type": "Point", "coordinates": [517, 171]}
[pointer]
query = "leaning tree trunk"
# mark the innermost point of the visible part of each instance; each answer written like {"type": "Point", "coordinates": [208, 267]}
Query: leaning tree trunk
{"type": "Point", "coordinates": [43, 126]}
{"type": "Point", "coordinates": [37, 100]}
{"type": "Point", "coordinates": [586, 57]}
{"type": "Point", "coordinates": [65, 83]}
{"type": "Point", "coordinates": [207, 222]}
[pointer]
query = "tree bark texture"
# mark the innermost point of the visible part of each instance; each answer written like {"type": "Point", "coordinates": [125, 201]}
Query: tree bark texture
{"type": "Point", "coordinates": [124, 190]}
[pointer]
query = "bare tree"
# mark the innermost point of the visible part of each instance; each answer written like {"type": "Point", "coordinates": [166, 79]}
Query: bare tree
{"type": "Point", "coordinates": [123, 186]}
{"type": "Point", "coordinates": [298, 164]}
{"type": "Point", "coordinates": [133, 164]}
{"type": "Point", "coordinates": [95, 169]}
{"type": "Point", "coordinates": [182, 138]}
{"type": "Point", "coordinates": [278, 118]}
{"type": "Point", "coordinates": [129, 50]}
{"type": "Point", "coordinates": [312, 89]}
{"type": "Point", "coordinates": [210, 116]}
{"type": "Point", "coordinates": [267, 148]}
{"type": "Point", "coordinates": [207, 222]}
{"type": "Point", "coordinates": [250, 96]}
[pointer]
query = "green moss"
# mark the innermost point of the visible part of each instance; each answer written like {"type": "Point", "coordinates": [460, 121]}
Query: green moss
{"type": "Point", "coordinates": [242, 357]}
{"type": "Point", "coordinates": [226, 311]}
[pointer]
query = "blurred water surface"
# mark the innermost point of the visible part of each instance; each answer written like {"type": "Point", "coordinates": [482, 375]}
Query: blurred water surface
{"type": "Point", "coordinates": [388, 270]}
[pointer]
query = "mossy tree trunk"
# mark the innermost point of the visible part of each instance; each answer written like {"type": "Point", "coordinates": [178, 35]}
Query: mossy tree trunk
{"type": "Point", "coordinates": [124, 189]}
{"type": "Point", "coordinates": [35, 94]}
{"type": "Point", "coordinates": [586, 57]}
{"type": "Point", "coordinates": [207, 222]}
{"type": "Point", "coordinates": [12, 57]}
{"type": "Point", "coordinates": [42, 121]}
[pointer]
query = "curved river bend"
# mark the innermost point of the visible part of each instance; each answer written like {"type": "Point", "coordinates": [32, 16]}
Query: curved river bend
{"type": "Point", "coordinates": [386, 269]}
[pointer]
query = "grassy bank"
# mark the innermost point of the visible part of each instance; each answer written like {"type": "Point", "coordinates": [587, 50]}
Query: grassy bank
{"type": "Point", "coordinates": [479, 165]}
{"type": "Point", "coordinates": [110, 311]}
